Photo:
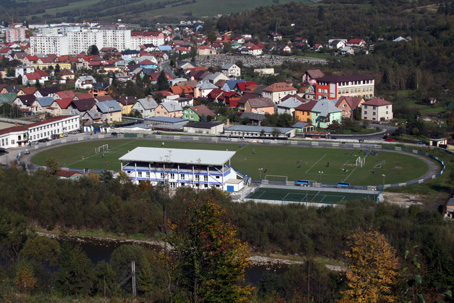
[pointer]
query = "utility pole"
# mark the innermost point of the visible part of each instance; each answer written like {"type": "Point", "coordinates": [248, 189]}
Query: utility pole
{"type": "Point", "coordinates": [133, 274]}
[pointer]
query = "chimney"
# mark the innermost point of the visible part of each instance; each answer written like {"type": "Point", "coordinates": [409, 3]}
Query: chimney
{"type": "Point", "coordinates": [228, 122]}
{"type": "Point", "coordinates": [16, 124]}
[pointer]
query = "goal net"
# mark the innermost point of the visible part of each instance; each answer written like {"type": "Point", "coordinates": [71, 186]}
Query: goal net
{"type": "Point", "coordinates": [360, 162]}
{"type": "Point", "coordinates": [102, 148]}
{"type": "Point", "coordinates": [276, 178]}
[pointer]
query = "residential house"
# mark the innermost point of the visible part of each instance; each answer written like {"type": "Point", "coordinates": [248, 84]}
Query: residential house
{"type": "Point", "coordinates": [333, 87]}
{"type": "Point", "coordinates": [202, 89]}
{"type": "Point", "coordinates": [277, 91]}
{"type": "Point", "coordinates": [60, 106]}
{"type": "Point", "coordinates": [324, 113]}
{"type": "Point", "coordinates": [310, 76]}
{"type": "Point", "coordinates": [35, 77]}
{"type": "Point", "coordinates": [110, 111]}
{"type": "Point", "coordinates": [27, 91]}
{"type": "Point", "coordinates": [303, 113]}
{"type": "Point", "coordinates": [253, 118]}
{"type": "Point", "coordinates": [377, 110]}
{"type": "Point", "coordinates": [231, 70]}
{"type": "Point", "coordinates": [126, 103]}
{"type": "Point", "coordinates": [65, 94]}
{"type": "Point", "coordinates": [146, 107]}
{"type": "Point", "coordinates": [214, 78]}
{"type": "Point", "coordinates": [42, 104]}
{"type": "Point", "coordinates": [359, 43]}
{"type": "Point", "coordinates": [259, 105]}
{"type": "Point", "coordinates": [46, 92]}
{"type": "Point", "coordinates": [85, 82]}
{"type": "Point", "coordinates": [21, 70]}
{"type": "Point", "coordinates": [206, 50]}
{"type": "Point", "coordinates": [25, 102]}
{"type": "Point", "coordinates": [98, 89]}
{"type": "Point", "coordinates": [288, 105]}
{"type": "Point", "coordinates": [348, 105]}
{"type": "Point", "coordinates": [337, 43]}
{"type": "Point", "coordinates": [80, 107]}
{"type": "Point", "coordinates": [169, 109]}
{"type": "Point", "coordinates": [66, 74]}
{"type": "Point", "coordinates": [198, 113]}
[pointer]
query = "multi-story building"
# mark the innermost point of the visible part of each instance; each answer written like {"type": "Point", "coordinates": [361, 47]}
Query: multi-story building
{"type": "Point", "coordinates": [333, 87]}
{"type": "Point", "coordinates": [76, 42]}
{"type": "Point", "coordinates": [141, 38]}
{"type": "Point", "coordinates": [80, 41]}
{"type": "Point", "coordinates": [377, 110]}
{"type": "Point", "coordinates": [15, 34]}
{"type": "Point", "coordinates": [21, 135]}
{"type": "Point", "coordinates": [58, 45]}
{"type": "Point", "coordinates": [277, 91]}
{"type": "Point", "coordinates": [182, 167]}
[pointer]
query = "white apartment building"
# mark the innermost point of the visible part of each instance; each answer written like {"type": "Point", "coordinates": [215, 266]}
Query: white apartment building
{"type": "Point", "coordinates": [80, 41]}
{"type": "Point", "coordinates": [58, 45]}
{"type": "Point", "coordinates": [76, 42]}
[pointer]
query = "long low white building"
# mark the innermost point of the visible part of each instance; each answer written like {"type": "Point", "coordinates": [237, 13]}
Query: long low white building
{"type": "Point", "coordinates": [17, 136]}
{"type": "Point", "coordinates": [182, 167]}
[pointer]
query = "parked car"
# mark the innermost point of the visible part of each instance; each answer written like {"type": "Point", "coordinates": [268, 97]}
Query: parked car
{"type": "Point", "coordinates": [114, 134]}
{"type": "Point", "coordinates": [390, 139]}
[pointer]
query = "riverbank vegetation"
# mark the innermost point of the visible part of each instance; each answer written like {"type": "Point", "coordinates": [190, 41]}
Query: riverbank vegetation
{"type": "Point", "coordinates": [119, 207]}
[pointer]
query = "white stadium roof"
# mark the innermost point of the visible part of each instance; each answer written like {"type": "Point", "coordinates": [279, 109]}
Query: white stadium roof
{"type": "Point", "coordinates": [174, 155]}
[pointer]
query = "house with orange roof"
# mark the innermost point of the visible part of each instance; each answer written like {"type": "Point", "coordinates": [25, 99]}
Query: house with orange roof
{"type": "Point", "coordinates": [27, 91]}
{"type": "Point", "coordinates": [182, 89]}
{"type": "Point", "coordinates": [277, 91]}
{"type": "Point", "coordinates": [348, 105]}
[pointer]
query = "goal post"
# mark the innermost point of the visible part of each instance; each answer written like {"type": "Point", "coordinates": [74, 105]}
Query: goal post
{"type": "Point", "coordinates": [280, 177]}
{"type": "Point", "coordinates": [360, 162]}
{"type": "Point", "coordinates": [99, 149]}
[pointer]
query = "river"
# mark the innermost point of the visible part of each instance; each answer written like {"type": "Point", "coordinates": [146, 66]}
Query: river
{"type": "Point", "coordinates": [101, 250]}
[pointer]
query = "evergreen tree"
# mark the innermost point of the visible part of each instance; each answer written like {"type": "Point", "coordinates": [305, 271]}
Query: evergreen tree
{"type": "Point", "coordinates": [163, 83]}
{"type": "Point", "coordinates": [211, 260]}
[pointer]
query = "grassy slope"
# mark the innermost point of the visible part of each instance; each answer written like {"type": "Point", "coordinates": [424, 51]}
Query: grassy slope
{"type": "Point", "coordinates": [200, 8]}
{"type": "Point", "coordinates": [278, 160]}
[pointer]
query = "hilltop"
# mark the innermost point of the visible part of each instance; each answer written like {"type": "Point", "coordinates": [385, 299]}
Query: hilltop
{"type": "Point", "coordinates": [131, 11]}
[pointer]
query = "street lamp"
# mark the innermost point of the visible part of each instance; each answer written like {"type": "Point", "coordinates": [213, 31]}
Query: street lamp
{"type": "Point", "coordinates": [384, 176]}
{"type": "Point", "coordinates": [260, 171]}
{"type": "Point", "coordinates": [321, 173]}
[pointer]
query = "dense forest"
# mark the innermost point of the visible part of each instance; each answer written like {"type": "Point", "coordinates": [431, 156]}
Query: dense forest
{"type": "Point", "coordinates": [99, 202]}
{"type": "Point", "coordinates": [426, 62]}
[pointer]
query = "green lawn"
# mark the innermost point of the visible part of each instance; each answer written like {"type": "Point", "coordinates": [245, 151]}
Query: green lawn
{"type": "Point", "coordinates": [295, 162]}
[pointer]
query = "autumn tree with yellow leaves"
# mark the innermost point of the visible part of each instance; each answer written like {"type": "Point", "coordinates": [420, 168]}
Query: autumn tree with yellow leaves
{"type": "Point", "coordinates": [372, 268]}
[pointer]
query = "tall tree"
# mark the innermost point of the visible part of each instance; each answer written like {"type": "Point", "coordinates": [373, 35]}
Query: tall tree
{"type": "Point", "coordinates": [372, 268]}
{"type": "Point", "coordinates": [163, 83]}
{"type": "Point", "coordinates": [93, 50]}
{"type": "Point", "coordinates": [211, 260]}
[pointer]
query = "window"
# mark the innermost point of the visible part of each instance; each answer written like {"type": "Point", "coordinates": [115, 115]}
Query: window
{"type": "Point", "coordinates": [182, 176]}
{"type": "Point", "coordinates": [139, 174]}
{"type": "Point", "coordinates": [172, 176]}
{"type": "Point", "coordinates": [374, 113]}
{"type": "Point", "coordinates": [148, 174]}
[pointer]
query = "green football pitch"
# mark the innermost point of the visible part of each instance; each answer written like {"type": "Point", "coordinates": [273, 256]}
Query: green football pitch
{"type": "Point", "coordinates": [326, 197]}
{"type": "Point", "coordinates": [328, 165]}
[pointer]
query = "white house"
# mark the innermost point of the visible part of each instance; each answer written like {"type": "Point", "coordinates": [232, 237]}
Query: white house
{"type": "Point", "coordinates": [85, 82]}
{"type": "Point", "coordinates": [231, 70]}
